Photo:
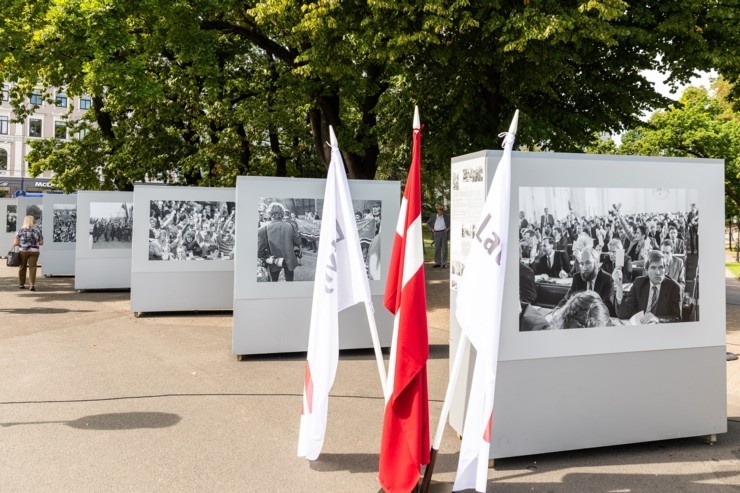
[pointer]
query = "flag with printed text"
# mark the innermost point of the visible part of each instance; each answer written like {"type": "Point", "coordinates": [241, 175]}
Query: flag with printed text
{"type": "Point", "coordinates": [340, 282]}
{"type": "Point", "coordinates": [479, 306]}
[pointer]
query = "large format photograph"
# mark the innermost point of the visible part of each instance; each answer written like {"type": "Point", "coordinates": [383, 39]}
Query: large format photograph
{"type": "Point", "coordinates": [36, 211]}
{"type": "Point", "coordinates": [288, 237]}
{"type": "Point", "coordinates": [65, 223]}
{"type": "Point", "coordinates": [11, 218]}
{"type": "Point", "coordinates": [602, 257]}
{"type": "Point", "coordinates": [111, 225]}
{"type": "Point", "coordinates": [191, 230]}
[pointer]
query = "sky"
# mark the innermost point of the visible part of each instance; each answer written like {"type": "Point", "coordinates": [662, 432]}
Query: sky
{"type": "Point", "coordinates": [657, 79]}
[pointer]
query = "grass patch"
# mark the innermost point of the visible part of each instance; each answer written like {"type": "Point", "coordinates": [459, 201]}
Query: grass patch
{"type": "Point", "coordinates": [733, 267]}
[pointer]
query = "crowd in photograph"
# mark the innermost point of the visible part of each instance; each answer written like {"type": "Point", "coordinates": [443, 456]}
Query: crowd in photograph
{"type": "Point", "coordinates": [288, 228]}
{"type": "Point", "coordinates": [114, 229]}
{"type": "Point", "coordinates": [11, 219]}
{"type": "Point", "coordinates": [191, 230]}
{"type": "Point", "coordinates": [65, 225]}
{"type": "Point", "coordinates": [631, 267]}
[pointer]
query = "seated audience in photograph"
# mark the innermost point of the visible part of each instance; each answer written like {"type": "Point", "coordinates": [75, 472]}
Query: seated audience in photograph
{"type": "Point", "coordinates": [582, 242]}
{"type": "Point", "coordinates": [591, 278]}
{"type": "Point", "coordinates": [560, 242]}
{"type": "Point", "coordinates": [692, 224]}
{"type": "Point", "coordinates": [639, 242]}
{"type": "Point", "coordinates": [527, 286]}
{"type": "Point", "coordinates": [582, 310]}
{"type": "Point", "coordinates": [674, 266]}
{"type": "Point", "coordinates": [657, 296]}
{"type": "Point", "coordinates": [551, 262]}
{"type": "Point", "coordinates": [529, 246]}
{"type": "Point", "coordinates": [530, 319]}
{"type": "Point", "coordinates": [678, 245]}
{"type": "Point", "coordinates": [608, 264]}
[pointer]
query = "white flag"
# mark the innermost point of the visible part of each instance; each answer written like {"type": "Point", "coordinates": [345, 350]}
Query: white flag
{"type": "Point", "coordinates": [479, 304]}
{"type": "Point", "coordinates": [340, 282]}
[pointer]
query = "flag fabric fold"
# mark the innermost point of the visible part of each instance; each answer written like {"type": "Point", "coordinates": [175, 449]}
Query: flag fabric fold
{"type": "Point", "coordinates": [479, 306]}
{"type": "Point", "coordinates": [405, 438]}
{"type": "Point", "coordinates": [340, 282]}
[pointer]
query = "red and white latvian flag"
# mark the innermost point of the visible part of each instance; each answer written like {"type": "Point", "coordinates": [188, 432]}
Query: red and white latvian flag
{"type": "Point", "coordinates": [479, 305]}
{"type": "Point", "coordinates": [340, 282]}
{"type": "Point", "coordinates": [405, 441]}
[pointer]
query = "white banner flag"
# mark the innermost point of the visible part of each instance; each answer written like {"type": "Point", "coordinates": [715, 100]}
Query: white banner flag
{"type": "Point", "coordinates": [479, 304]}
{"type": "Point", "coordinates": [340, 282]}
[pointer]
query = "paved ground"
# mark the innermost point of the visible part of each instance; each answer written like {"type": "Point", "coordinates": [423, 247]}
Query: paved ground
{"type": "Point", "coordinates": [93, 399]}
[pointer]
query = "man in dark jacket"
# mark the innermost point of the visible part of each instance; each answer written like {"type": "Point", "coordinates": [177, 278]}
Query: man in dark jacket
{"type": "Point", "coordinates": [655, 294]}
{"type": "Point", "coordinates": [590, 277]}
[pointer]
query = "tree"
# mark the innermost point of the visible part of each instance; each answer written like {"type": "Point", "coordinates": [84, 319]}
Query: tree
{"type": "Point", "coordinates": [200, 91]}
{"type": "Point", "coordinates": [700, 124]}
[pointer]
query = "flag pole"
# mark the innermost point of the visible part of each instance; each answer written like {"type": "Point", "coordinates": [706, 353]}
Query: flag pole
{"type": "Point", "coordinates": [378, 351]}
{"type": "Point", "coordinates": [454, 375]}
{"type": "Point", "coordinates": [451, 385]}
{"type": "Point", "coordinates": [369, 312]}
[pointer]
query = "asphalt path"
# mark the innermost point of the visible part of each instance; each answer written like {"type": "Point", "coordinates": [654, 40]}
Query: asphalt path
{"type": "Point", "coordinates": [94, 399]}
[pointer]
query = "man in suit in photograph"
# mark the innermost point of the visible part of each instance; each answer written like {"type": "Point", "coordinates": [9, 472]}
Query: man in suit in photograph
{"type": "Point", "coordinates": [674, 266]}
{"type": "Point", "coordinates": [551, 263]}
{"type": "Point", "coordinates": [654, 294]}
{"type": "Point", "coordinates": [527, 286]}
{"type": "Point", "coordinates": [609, 263]}
{"type": "Point", "coordinates": [590, 277]}
{"type": "Point", "coordinates": [679, 245]}
{"type": "Point", "coordinates": [523, 223]}
{"type": "Point", "coordinates": [547, 219]}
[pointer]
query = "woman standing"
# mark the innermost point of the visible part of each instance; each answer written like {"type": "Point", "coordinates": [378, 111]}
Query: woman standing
{"type": "Point", "coordinates": [28, 239]}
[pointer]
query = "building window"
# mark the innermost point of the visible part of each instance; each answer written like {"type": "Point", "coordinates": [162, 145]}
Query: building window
{"type": "Point", "coordinates": [61, 100]}
{"type": "Point", "coordinates": [85, 103]}
{"type": "Point", "coordinates": [34, 127]}
{"type": "Point", "coordinates": [35, 98]}
{"type": "Point", "coordinates": [83, 133]}
{"type": "Point", "coordinates": [3, 125]}
{"type": "Point", "coordinates": [4, 96]}
{"type": "Point", "coordinates": [3, 160]}
{"type": "Point", "coordinates": [60, 130]}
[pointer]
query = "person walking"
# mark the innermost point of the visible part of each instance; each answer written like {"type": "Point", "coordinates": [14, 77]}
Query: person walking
{"type": "Point", "coordinates": [28, 239]}
{"type": "Point", "coordinates": [440, 226]}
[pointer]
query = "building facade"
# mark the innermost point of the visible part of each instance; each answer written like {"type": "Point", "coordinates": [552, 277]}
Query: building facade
{"type": "Point", "coordinates": [49, 120]}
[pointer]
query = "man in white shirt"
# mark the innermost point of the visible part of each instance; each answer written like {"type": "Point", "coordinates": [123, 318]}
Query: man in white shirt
{"type": "Point", "coordinates": [440, 226]}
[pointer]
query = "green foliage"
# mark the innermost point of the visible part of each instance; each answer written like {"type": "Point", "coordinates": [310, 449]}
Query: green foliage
{"type": "Point", "coordinates": [200, 91]}
{"type": "Point", "coordinates": [700, 124]}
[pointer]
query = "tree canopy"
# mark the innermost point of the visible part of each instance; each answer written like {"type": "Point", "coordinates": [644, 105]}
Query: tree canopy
{"type": "Point", "coordinates": [200, 91]}
{"type": "Point", "coordinates": [701, 124]}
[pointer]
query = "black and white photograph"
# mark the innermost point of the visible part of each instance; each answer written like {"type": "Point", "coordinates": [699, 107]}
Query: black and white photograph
{"type": "Point", "coordinates": [472, 174]}
{"type": "Point", "coordinates": [111, 225]}
{"type": "Point", "coordinates": [11, 218]}
{"type": "Point", "coordinates": [604, 257]}
{"type": "Point", "coordinates": [191, 230]}
{"type": "Point", "coordinates": [65, 223]}
{"type": "Point", "coordinates": [35, 211]}
{"type": "Point", "coordinates": [288, 231]}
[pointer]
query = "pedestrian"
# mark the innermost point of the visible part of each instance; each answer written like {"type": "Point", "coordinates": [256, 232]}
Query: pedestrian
{"type": "Point", "coordinates": [28, 239]}
{"type": "Point", "coordinates": [439, 224]}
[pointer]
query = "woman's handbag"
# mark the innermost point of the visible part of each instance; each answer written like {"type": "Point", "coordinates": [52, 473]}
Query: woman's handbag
{"type": "Point", "coordinates": [14, 257]}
